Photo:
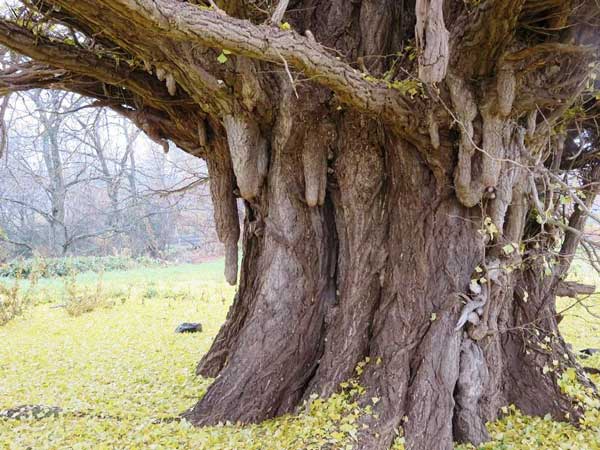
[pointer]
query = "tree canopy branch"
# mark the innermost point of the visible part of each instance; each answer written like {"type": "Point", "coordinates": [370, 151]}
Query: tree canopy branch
{"type": "Point", "coordinates": [81, 62]}
{"type": "Point", "coordinates": [186, 22]}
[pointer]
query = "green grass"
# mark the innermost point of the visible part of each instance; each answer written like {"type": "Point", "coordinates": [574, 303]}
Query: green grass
{"type": "Point", "coordinates": [186, 275]}
{"type": "Point", "coordinates": [126, 362]}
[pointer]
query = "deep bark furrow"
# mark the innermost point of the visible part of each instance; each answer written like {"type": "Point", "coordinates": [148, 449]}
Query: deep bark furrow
{"type": "Point", "coordinates": [414, 324]}
{"type": "Point", "coordinates": [468, 422]}
{"type": "Point", "coordinates": [359, 285]}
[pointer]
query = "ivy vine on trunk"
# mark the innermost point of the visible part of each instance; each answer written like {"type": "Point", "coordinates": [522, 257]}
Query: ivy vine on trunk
{"type": "Point", "coordinates": [416, 177]}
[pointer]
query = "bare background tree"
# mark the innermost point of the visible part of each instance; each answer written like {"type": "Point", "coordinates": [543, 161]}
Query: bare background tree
{"type": "Point", "coordinates": [82, 181]}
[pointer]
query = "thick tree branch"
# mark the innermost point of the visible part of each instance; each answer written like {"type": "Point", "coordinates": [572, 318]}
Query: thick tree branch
{"type": "Point", "coordinates": [549, 75]}
{"type": "Point", "coordinates": [32, 75]}
{"type": "Point", "coordinates": [573, 289]}
{"type": "Point", "coordinates": [82, 62]}
{"type": "Point", "coordinates": [130, 91]}
{"type": "Point", "coordinates": [185, 22]}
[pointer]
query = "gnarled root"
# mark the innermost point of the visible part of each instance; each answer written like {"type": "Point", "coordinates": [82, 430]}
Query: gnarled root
{"type": "Point", "coordinates": [473, 376]}
{"type": "Point", "coordinates": [477, 174]}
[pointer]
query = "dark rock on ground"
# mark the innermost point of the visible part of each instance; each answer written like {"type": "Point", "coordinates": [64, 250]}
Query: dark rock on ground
{"type": "Point", "coordinates": [587, 352]}
{"type": "Point", "coordinates": [187, 327]}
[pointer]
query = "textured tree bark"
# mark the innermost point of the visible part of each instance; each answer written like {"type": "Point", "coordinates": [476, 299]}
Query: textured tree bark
{"type": "Point", "coordinates": [390, 196]}
{"type": "Point", "coordinates": [379, 271]}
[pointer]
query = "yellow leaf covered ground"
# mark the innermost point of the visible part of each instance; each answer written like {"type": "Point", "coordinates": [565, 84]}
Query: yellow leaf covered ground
{"type": "Point", "coordinates": [115, 370]}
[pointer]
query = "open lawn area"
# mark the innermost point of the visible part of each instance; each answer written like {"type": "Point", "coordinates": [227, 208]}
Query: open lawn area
{"type": "Point", "coordinates": [121, 374]}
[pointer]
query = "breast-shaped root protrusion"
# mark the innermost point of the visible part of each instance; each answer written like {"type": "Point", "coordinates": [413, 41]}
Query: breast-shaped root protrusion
{"type": "Point", "coordinates": [432, 40]}
{"type": "Point", "coordinates": [282, 130]}
{"type": "Point", "coordinates": [249, 155]}
{"type": "Point", "coordinates": [171, 84]}
{"type": "Point", "coordinates": [314, 161]}
{"type": "Point", "coordinates": [152, 131]}
{"type": "Point", "coordinates": [505, 89]}
{"type": "Point", "coordinates": [512, 174]}
{"type": "Point", "coordinates": [161, 73]}
{"type": "Point", "coordinates": [466, 112]}
{"type": "Point", "coordinates": [494, 137]}
{"type": "Point", "coordinates": [231, 262]}
{"type": "Point", "coordinates": [531, 123]}
{"type": "Point", "coordinates": [222, 184]}
{"type": "Point", "coordinates": [434, 130]}
{"type": "Point", "coordinates": [516, 215]}
{"type": "Point", "coordinates": [317, 143]}
{"type": "Point", "coordinates": [251, 90]}
{"type": "Point", "coordinates": [202, 136]}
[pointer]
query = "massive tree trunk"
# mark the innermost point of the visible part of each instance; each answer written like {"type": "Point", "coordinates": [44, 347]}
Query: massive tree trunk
{"type": "Point", "coordinates": [399, 163]}
{"type": "Point", "coordinates": [381, 268]}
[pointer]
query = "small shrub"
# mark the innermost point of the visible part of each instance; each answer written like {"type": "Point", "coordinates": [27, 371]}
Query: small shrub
{"type": "Point", "coordinates": [78, 302]}
{"type": "Point", "coordinates": [62, 267]}
{"type": "Point", "coordinates": [150, 292]}
{"type": "Point", "coordinates": [120, 295]}
{"type": "Point", "coordinates": [14, 299]}
{"type": "Point", "coordinates": [175, 295]}
{"type": "Point", "coordinates": [11, 303]}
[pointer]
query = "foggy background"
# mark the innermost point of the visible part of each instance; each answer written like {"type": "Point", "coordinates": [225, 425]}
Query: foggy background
{"type": "Point", "coordinates": [81, 180]}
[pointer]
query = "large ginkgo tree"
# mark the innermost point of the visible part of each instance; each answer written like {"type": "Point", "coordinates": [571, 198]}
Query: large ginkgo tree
{"type": "Point", "coordinates": [416, 178]}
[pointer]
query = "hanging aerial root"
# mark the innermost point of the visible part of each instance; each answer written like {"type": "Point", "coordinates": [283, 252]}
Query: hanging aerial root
{"type": "Point", "coordinates": [248, 151]}
{"type": "Point", "coordinates": [531, 123]}
{"type": "Point", "coordinates": [432, 40]}
{"type": "Point", "coordinates": [314, 161]}
{"type": "Point", "coordinates": [513, 175]}
{"type": "Point", "coordinates": [202, 137]}
{"type": "Point", "coordinates": [505, 89]}
{"type": "Point", "coordinates": [466, 111]}
{"type": "Point", "coordinates": [161, 73]}
{"type": "Point", "coordinates": [492, 147]}
{"type": "Point", "coordinates": [252, 93]}
{"type": "Point", "coordinates": [516, 215]}
{"type": "Point", "coordinates": [434, 130]}
{"type": "Point", "coordinates": [471, 183]}
{"type": "Point", "coordinates": [231, 262]}
{"type": "Point", "coordinates": [148, 123]}
{"type": "Point", "coordinates": [222, 185]}
{"type": "Point", "coordinates": [171, 84]}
